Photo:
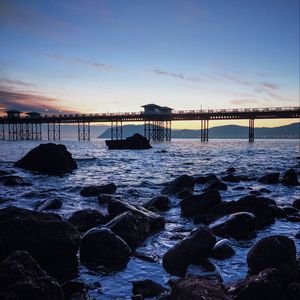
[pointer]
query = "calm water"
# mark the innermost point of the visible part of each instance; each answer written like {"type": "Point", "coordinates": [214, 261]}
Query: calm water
{"type": "Point", "coordinates": [141, 175]}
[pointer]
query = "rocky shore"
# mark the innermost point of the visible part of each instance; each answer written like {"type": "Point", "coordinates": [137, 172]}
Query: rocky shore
{"type": "Point", "coordinates": [41, 252]}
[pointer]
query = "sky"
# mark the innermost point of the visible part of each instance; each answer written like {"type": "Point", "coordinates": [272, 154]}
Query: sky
{"type": "Point", "coordinates": [94, 56]}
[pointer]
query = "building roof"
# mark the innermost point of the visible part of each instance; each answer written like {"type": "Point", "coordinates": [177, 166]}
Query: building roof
{"type": "Point", "coordinates": [166, 107]}
{"type": "Point", "coordinates": [151, 105]}
{"type": "Point", "coordinates": [13, 111]}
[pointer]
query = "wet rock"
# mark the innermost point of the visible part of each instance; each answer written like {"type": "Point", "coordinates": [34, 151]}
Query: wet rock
{"type": "Point", "coordinates": [15, 181]}
{"type": "Point", "coordinates": [105, 198]}
{"type": "Point", "coordinates": [101, 246]}
{"type": "Point", "coordinates": [231, 170]}
{"type": "Point", "coordinates": [277, 252]}
{"type": "Point", "coordinates": [277, 211]}
{"type": "Point", "coordinates": [199, 204]}
{"type": "Point", "coordinates": [132, 227]}
{"type": "Point", "coordinates": [21, 277]}
{"type": "Point", "coordinates": [161, 203]}
{"type": "Point", "coordinates": [75, 290]}
{"type": "Point", "coordinates": [4, 173]}
{"type": "Point", "coordinates": [205, 179]}
{"type": "Point", "coordinates": [53, 242]}
{"type": "Point", "coordinates": [146, 257]}
{"type": "Point", "coordinates": [238, 188]}
{"type": "Point", "coordinates": [156, 221]}
{"type": "Point", "coordinates": [289, 209]}
{"type": "Point", "coordinates": [256, 193]}
{"type": "Point", "coordinates": [269, 178]}
{"type": "Point", "coordinates": [215, 184]}
{"type": "Point", "coordinates": [245, 178]}
{"type": "Point", "coordinates": [264, 190]}
{"type": "Point", "coordinates": [239, 225]}
{"type": "Point", "coordinates": [184, 194]}
{"type": "Point", "coordinates": [296, 203]}
{"type": "Point", "coordinates": [86, 219]}
{"type": "Point", "coordinates": [137, 141]}
{"type": "Point", "coordinates": [49, 158]}
{"type": "Point", "coordinates": [293, 218]}
{"type": "Point", "coordinates": [290, 178]}
{"type": "Point", "coordinates": [147, 288]}
{"type": "Point", "coordinates": [183, 182]}
{"type": "Point", "coordinates": [230, 178]}
{"type": "Point", "coordinates": [54, 203]}
{"type": "Point", "coordinates": [293, 291]}
{"type": "Point", "coordinates": [195, 288]}
{"type": "Point", "coordinates": [222, 249]}
{"type": "Point", "coordinates": [298, 235]}
{"type": "Point", "coordinates": [195, 247]}
{"type": "Point", "coordinates": [264, 286]}
{"type": "Point", "coordinates": [96, 190]}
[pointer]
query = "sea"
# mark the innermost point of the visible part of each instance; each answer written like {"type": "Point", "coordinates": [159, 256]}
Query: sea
{"type": "Point", "coordinates": [141, 175]}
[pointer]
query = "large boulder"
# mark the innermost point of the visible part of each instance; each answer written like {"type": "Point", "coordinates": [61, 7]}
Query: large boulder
{"type": "Point", "coordinates": [296, 203]}
{"type": "Point", "coordinates": [192, 287]}
{"type": "Point", "coordinates": [147, 288]}
{"type": "Point", "coordinates": [132, 227]}
{"type": "Point", "coordinates": [86, 219]}
{"type": "Point", "coordinates": [161, 203]}
{"type": "Point", "coordinates": [277, 252]}
{"type": "Point", "coordinates": [54, 203]}
{"type": "Point", "coordinates": [137, 141]}
{"type": "Point", "coordinates": [183, 182]}
{"type": "Point", "coordinates": [101, 246]}
{"type": "Point", "coordinates": [215, 184]}
{"type": "Point", "coordinates": [199, 204]}
{"type": "Point", "coordinates": [290, 178]}
{"type": "Point", "coordinates": [53, 242]}
{"type": "Point", "coordinates": [239, 225]}
{"type": "Point", "coordinates": [49, 158]}
{"type": "Point", "coordinates": [13, 180]}
{"type": "Point", "coordinates": [192, 249]}
{"type": "Point", "coordinates": [96, 190]}
{"type": "Point", "coordinates": [21, 277]}
{"type": "Point", "coordinates": [269, 178]}
{"type": "Point", "coordinates": [75, 290]}
{"type": "Point", "coordinates": [230, 178]}
{"type": "Point", "coordinates": [222, 249]}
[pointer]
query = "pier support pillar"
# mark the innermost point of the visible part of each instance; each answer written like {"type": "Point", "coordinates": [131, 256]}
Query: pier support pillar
{"type": "Point", "coordinates": [251, 130]}
{"type": "Point", "coordinates": [84, 131]}
{"type": "Point", "coordinates": [53, 130]}
{"type": "Point", "coordinates": [116, 130]}
{"type": "Point", "coordinates": [204, 130]}
{"type": "Point", "coordinates": [2, 132]}
{"type": "Point", "coordinates": [157, 130]}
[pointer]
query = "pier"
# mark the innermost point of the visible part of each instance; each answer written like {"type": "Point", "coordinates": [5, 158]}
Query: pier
{"type": "Point", "coordinates": [157, 122]}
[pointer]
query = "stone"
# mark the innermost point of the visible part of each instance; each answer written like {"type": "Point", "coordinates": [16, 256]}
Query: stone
{"type": "Point", "coordinates": [205, 179]}
{"type": "Point", "coordinates": [222, 249]}
{"type": "Point", "coordinates": [75, 290]}
{"type": "Point", "coordinates": [277, 252]}
{"type": "Point", "coordinates": [199, 204]}
{"type": "Point", "coordinates": [101, 246]}
{"type": "Point", "coordinates": [290, 210]}
{"type": "Point", "coordinates": [147, 288]}
{"type": "Point", "coordinates": [86, 219]}
{"type": "Point", "coordinates": [230, 178]}
{"type": "Point", "coordinates": [231, 170]}
{"type": "Point", "coordinates": [240, 225]}
{"type": "Point", "coordinates": [15, 181]}
{"type": "Point", "coordinates": [105, 198]}
{"type": "Point", "coordinates": [272, 178]}
{"type": "Point", "coordinates": [137, 142]}
{"type": "Point", "coordinates": [192, 249]}
{"type": "Point", "coordinates": [54, 203]}
{"type": "Point", "coordinates": [96, 190]}
{"type": "Point", "coordinates": [290, 178]}
{"type": "Point", "coordinates": [296, 203]}
{"type": "Point", "coordinates": [183, 182]}
{"type": "Point", "coordinates": [161, 203]}
{"type": "Point", "coordinates": [49, 158]}
{"type": "Point", "coordinates": [215, 184]}
{"type": "Point", "coordinates": [21, 277]}
{"type": "Point", "coordinates": [293, 291]}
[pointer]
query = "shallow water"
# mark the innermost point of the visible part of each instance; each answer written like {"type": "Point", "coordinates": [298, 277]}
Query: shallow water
{"type": "Point", "coordinates": [141, 175]}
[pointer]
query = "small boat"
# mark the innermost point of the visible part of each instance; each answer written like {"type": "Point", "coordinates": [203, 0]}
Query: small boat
{"type": "Point", "coordinates": [136, 141]}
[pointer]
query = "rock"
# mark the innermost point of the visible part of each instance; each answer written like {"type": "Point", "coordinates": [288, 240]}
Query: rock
{"type": "Point", "coordinates": [156, 221]}
{"type": "Point", "coordinates": [277, 252]}
{"type": "Point", "coordinates": [277, 211]}
{"type": "Point", "coordinates": [75, 290]}
{"type": "Point", "coordinates": [205, 179]}
{"type": "Point", "coordinates": [54, 203]}
{"type": "Point", "coordinates": [146, 257]}
{"type": "Point", "coordinates": [293, 218]}
{"type": "Point", "coordinates": [290, 210]}
{"type": "Point", "coordinates": [183, 182]}
{"type": "Point", "coordinates": [21, 277]}
{"type": "Point", "coordinates": [264, 190]}
{"type": "Point", "coordinates": [231, 170]}
{"type": "Point", "coordinates": [132, 227]}
{"type": "Point", "coordinates": [194, 288]}
{"type": "Point", "coordinates": [270, 178]}
{"type": "Point", "coordinates": [101, 246]}
{"type": "Point", "coordinates": [105, 198]}
{"type": "Point", "coordinates": [230, 178]}
{"type": "Point", "coordinates": [293, 291]}
{"type": "Point", "coordinates": [161, 203]}
{"type": "Point", "coordinates": [4, 173]}
{"type": "Point", "coordinates": [147, 288]}
{"type": "Point", "coordinates": [290, 178]}
{"type": "Point", "coordinates": [15, 181]}
{"type": "Point", "coordinates": [264, 286]}
{"type": "Point", "coordinates": [136, 141]}
{"type": "Point", "coordinates": [296, 203]}
{"type": "Point", "coordinates": [298, 235]}
{"type": "Point", "coordinates": [184, 194]}
{"type": "Point", "coordinates": [245, 178]}
{"type": "Point", "coordinates": [238, 188]}
{"type": "Point", "coordinates": [86, 219]}
{"type": "Point", "coordinates": [49, 158]}
{"type": "Point", "coordinates": [239, 225]}
{"type": "Point", "coordinates": [222, 249]}
{"type": "Point", "coordinates": [96, 190]}
{"type": "Point", "coordinates": [256, 193]}
{"type": "Point", "coordinates": [215, 184]}
{"type": "Point", "coordinates": [53, 242]}
{"type": "Point", "coordinates": [195, 247]}
{"type": "Point", "coordinates": [199, 204]}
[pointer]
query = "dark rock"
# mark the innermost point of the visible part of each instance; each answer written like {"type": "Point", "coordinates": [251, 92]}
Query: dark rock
{"type": "Point", "coordinates": [231, 170]}
{"type": "Point", "coordinates": [86, 219]}
{"type": "Point", "coordinates": [264, 286]}
{"type": "Point", "coordinates": [205, 179]}
{"type": "Point", "coordinates": [53, 242]}
{"type": "Point", "coordinates": [238, 188]}
{"type": "Point", "coordinates": [132, 227]}
{"type": "Point", "coordinates": [290, 178]}
{"type": "Point", "coordinates": [199, 204]}
{"type": "Point", "coordinates": [296, 203]}
{"type": "Point", "coordinates": [146, 257]}
{"type": "Point", "coordinates": [294, 218]}
{"type": "Point", "coordinates": [101, 246]}
{"type": "Point", "coordinates": [147, 288]}
{"type": "Point", "coordinates": [298, 235]}
{"type": "Point", "coordinates": [136, 141]}
{"type": "Point", "coordinates": [222, 249]}
{"type": "Point", "coordinates": [245, 178]}
{"type": "Point", "coordinates": [96, 190]}
{"type": "Point", "coordinates": [256, 193]}
{"type": "Point", "coordinates": [195, 288]}
{"type": "Point", "coordinates": [264, 190]}
{"type": "Point", "coordinates": [277, 252]}
{"type": "Point", "coordinates": [54, 203]}
{"type": "Point", "coordinates": [293, 291]}
{"type": "Point", "coordinates": [191, 250]}
{"type": "Point", "coordinates": [215, 184]}
{"type": "Point", "coordinates": [290, 210]}
{"type": "Point", "coordinates": [239, 225]}
{"type": "Point", "coordinates": [270, 178]}
{"type": "Point", "coordinates": [21, 277]}
{"type": "Point", "coordinates": [184, 194]}
{"type": "Point", "coordinates": [49, 158]}
{"type": "Point", "coordinates": [4, 173]}
{"type": "Point", "coordinates": [161, 203]}
{"type": "Point", "coordinates": [230, 178]}
{"type": "Point", "coordinates": [277, 211]}
{"type": "Point", "coordinates": [14, 181]}
{"type": "Point", "coordinates": [105, 198]}
{"type": "Point", "coordinates": [75, 290]}
{"type": "Point", "coordinates": [183, 182]}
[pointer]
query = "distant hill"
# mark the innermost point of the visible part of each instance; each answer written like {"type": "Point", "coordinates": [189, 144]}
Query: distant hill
{"type": "Point", "coordinates": [291, 131]}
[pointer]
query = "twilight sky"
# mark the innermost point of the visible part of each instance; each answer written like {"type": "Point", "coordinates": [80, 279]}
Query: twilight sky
{"type": "Point", "coordinates": [116, 55]}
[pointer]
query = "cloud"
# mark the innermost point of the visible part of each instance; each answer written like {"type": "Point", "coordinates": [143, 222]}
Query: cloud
{"type": "Point", "coordinates": [15, 83]}
{"type": "Point", "coordinates": [193, 78]}
{"type": "Point", "coordinates": [245, 101]}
